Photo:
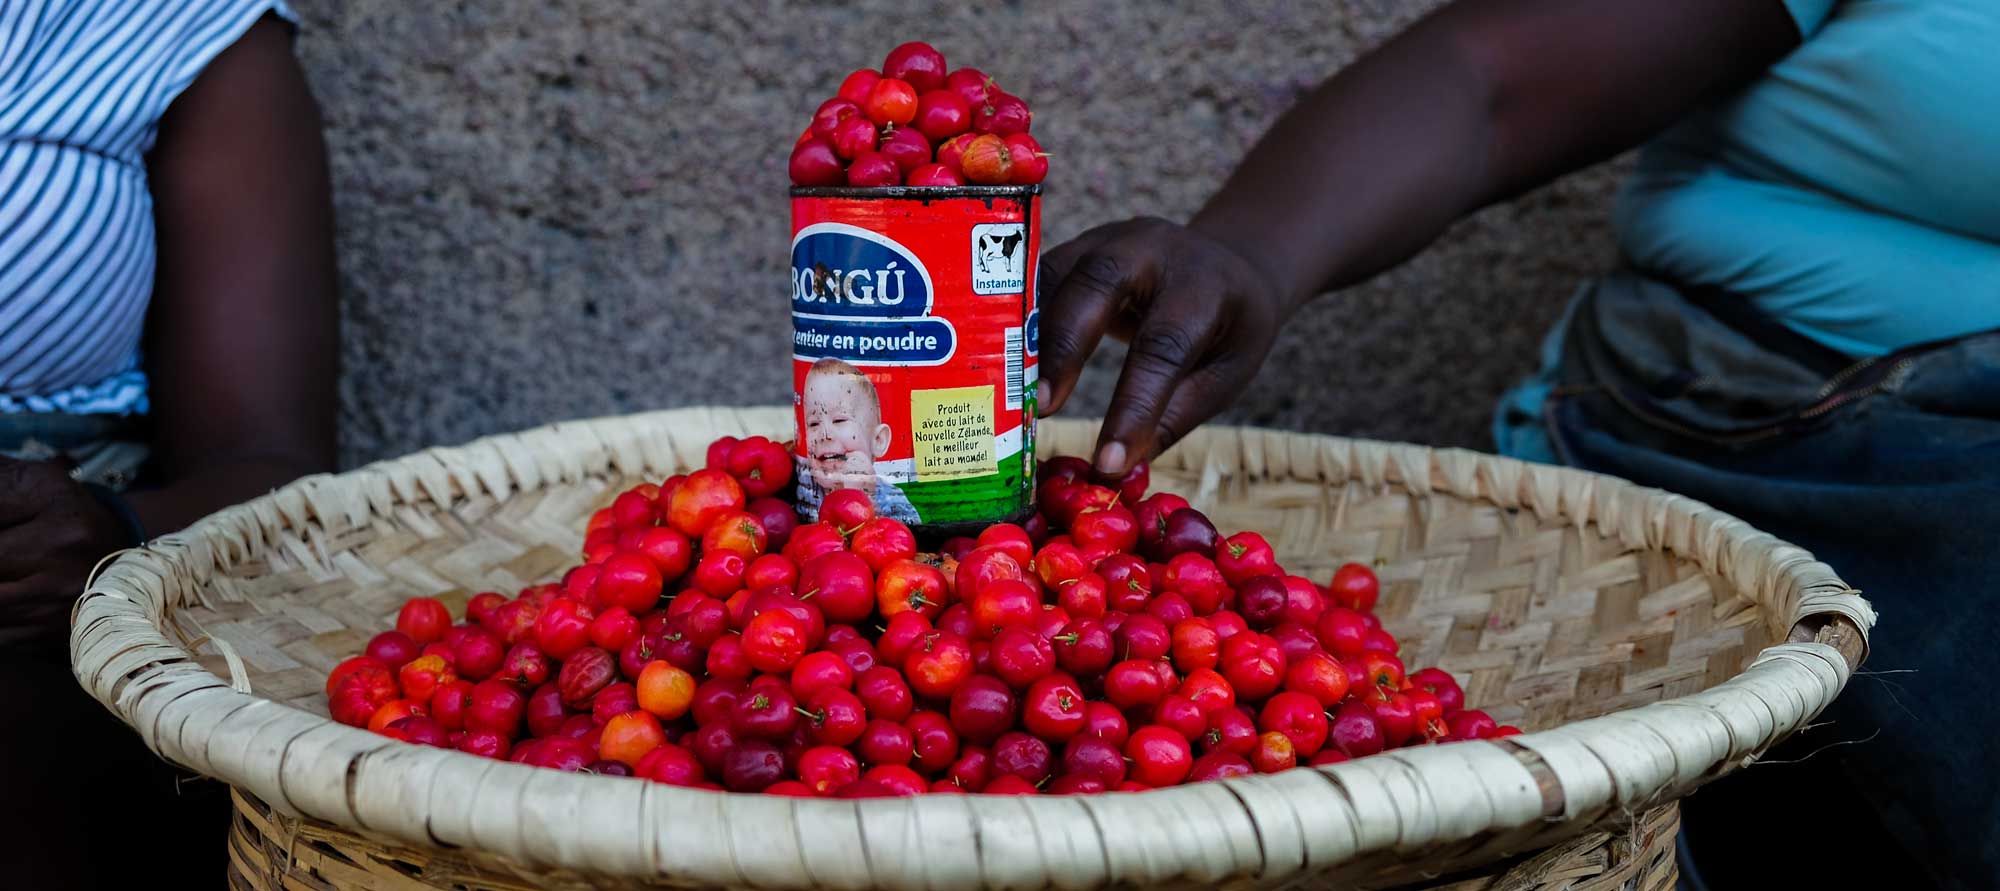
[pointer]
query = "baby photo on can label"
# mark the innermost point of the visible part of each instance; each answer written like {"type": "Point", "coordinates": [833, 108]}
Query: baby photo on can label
{"type": "Point", "coordinates": [845, 434]}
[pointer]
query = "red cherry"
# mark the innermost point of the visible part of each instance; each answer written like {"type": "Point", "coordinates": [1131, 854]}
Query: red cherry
{"type": "Point", "coordinates": [1355, 587]}
{"type": "Point", "coordinates": [720, 573]}
{"type": "Point", "coordinates": [1096, 758]}
{"type": "Point", "coordinates": [857, 653]}
{"type": "Point", "coordinates": [392, 649]}
{"type": "Point", "coordinates": [882, 541]}
{"type": "Point", "coordinates": [1021, 657]}
{"type": "Point", "coordinates": [1296, 640]}
{"type": "Point", "coordinates": [918, 63]}
{"type": "Point", "coordinates": [826, 768]}
{"type": "Point", "coordinates": [544, 711]}
{"type": "Point", "coordinates": [1153, 511]}
{"type": "Point", "coordinates": [1379, 641]}
{"type": "Point", "coordinates": [951, 154]}
{"type": "Point", "coordinates": [933, 739]}
{"type": "Point", "coordinates": [1274, 752]}
{"type": "Point", "coordinates": [1195, 577]}
{"type": "Point", "coordinates": [820, 671]}
{"type": "Point", "coordinates": [1128, 583]}
{"type": "Point", "coordinates": [1319, 676]}
{"type": "Point", "coordinates": [841, 584]}
{"type": "Point", "coordinates": [1195, 644]}
{"type": "Point", "coordinates": [852, 138]}
{"type": "Point", "coordinates": [1002, 115]}
{"type": "Point", "coordinates": [1031, 165]}
{"type": "Point", "coordinates": [891, 101]}
{"type": "Point", "coordinates": [1133, 683]}
{"type": "Point", "coordinates": [873, 170]}
{"type": "Point", "coordinates": [1104, 721]}
{"type": "Point", "coordinates": [1398, 718]}
{"type": "Point", "coordinates": [856, 86]}
{"type": "Point", "coordinates": [1227, 623]}
{"type": "Point", "coordinates": [1084, 648]}
{"type": "Point", "coordinates": [942, 114]}
{"type": "Point", "coordinates": [903, 633]}
{"type": "Point", "coordinates": [895, 779]}
{"type": "Point", "coordinates": [1342, 633]}
{"type": "Point", "coordinates": [1084, 596]}
{"type": "Point", "coordinates": [982, 709]}
{"type": "Point", "coordinates": [612, 630]}
{"type": "Point", "coordinates": [973, 768]}
{"type": "Point", "coordinates": [1209, 690]}
{"type": "Point", "coordinates": [779, 520]}
{"type": "Point", "coordinates": [1023, 756]}
{"type": "Point", "coordinates": [846, 509]}
{"type": "Point", "coordinates": [986, 161]}
{"type": "Point", "coordinates": [816, 164]}
{"type": "Point", "coordinates": [1436, 681]}
{"type": "Point", "coordinates": [1355, 731]}
{"type": "Point", "coordinates": [933, 175]}
{"type": "Point", "coordinates": [1054, 708]}
{"type": "Point", "coordinates": [825, 121]}
{"type": "Point", "coordinates": [835, 717]}
{"type": "Point", "coordinates": [477, 654]}
{"type": "Point", "coordinates": [1002, 604]}
{"type": "Point", "coordinates": [1299, 717]}
{"type": "Point", "coordinates": [525, 665]}
{"type": "Point", "coordinates": [1229, 730]}
{"type": "Point", "coordinates": [775, 641]}
{"type": "Point", "coordinates": [939, 664]}
{"type": "Point", "coordinates": [1112, 528]}
{"type": "Point", "coordinates": [424, 619]}
{"type": "Point", "coordinates": [885, 694]}
{"type": "Point", "coordinates": [814, 539]}
{"type": "Point", "coordinates": [1160, 756]}
{"type": "Point", "coordinates": [751, 766]}
{"type": "Point", "coordinates": [1219, 766]}
{"type": "Point", "coordinates": [971, 83]}
{"type": "Point", "coordinates": [908, 148]}
{"type": "Point", "coordinates": [1254, 665]}
{"type": "Point", "coordinates": [1143, 636]}
{"type": "Point", "coordinates": [884, 742]}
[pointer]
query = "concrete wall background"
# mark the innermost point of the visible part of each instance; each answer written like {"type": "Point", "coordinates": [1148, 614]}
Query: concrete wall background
{"type": "Point", "coordinates": [552, 211]}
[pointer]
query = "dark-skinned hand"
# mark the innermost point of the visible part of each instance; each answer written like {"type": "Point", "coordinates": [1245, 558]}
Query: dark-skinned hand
{"type": "Point", "coordinates": [1198, 316]}
{"type": "Point", "coordinates": [52, 533]}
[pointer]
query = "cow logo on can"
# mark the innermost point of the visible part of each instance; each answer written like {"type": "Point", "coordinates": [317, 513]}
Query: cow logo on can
{"type": "Point", "coordinates": [910, 353]}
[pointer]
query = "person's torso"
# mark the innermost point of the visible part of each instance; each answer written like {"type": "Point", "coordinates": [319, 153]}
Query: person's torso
{"type": "Point", "coordinates": [1853, 191]}
{"type": "Point", "coordinates": [83, 84]}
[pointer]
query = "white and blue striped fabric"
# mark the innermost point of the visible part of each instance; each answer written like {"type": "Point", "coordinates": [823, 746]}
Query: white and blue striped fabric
{"type": "Point", "coordinates": [83, 84]}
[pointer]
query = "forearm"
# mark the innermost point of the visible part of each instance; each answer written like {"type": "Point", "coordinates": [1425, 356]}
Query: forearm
{"type": "Point", "coordinates": [1368, 169]}
{"type": "Point", "coordinates": [1471, 106]}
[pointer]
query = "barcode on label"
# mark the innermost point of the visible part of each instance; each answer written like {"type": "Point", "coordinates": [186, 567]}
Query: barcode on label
{"type": "Point", "coordinates": [1014, 375]}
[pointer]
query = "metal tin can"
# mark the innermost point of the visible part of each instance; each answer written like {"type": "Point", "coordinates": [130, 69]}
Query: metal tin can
{"type": "Point", "coordinates": [913, 351]}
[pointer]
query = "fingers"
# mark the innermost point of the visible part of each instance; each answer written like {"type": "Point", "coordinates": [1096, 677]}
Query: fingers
{"type": "Point", "coordinates": [1176, 332]}
{"type": "Point", "coordinates": [1091, 276]}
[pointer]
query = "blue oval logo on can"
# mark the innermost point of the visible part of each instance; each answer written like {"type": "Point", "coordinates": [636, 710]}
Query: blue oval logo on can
{"type": "Point", "coordinates": [861, 297]}
{"type": "Point", "coordinates": [850, 272]}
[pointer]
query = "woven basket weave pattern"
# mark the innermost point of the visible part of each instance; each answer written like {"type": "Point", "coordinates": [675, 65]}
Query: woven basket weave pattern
{"type": "Point", "coordinates": [1559, 598]}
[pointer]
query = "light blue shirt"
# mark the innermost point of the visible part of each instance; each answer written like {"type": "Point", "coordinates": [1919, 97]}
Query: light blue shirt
{"type": "Point", "coordinates": [83, 85]}
{"type": "Point", "coordinates": [1853, 191]}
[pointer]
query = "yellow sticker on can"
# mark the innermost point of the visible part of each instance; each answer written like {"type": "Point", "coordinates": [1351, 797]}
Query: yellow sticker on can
{"type": "Point", "coordinates": [953, 432]}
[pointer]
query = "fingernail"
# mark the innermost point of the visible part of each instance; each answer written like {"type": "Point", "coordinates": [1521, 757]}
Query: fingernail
{"type": "Point", "coordinates": [1111, 459]}
{"type": "Point", "coordinates": [1041, 394]}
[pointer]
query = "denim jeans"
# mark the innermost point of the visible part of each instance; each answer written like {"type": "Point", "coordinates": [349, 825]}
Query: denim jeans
{"type": "Point", "coordinates": [1887, 469]}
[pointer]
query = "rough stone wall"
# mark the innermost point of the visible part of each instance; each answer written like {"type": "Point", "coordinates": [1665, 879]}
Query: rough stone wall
{"type": "Point", "coordinates": [560, 210]}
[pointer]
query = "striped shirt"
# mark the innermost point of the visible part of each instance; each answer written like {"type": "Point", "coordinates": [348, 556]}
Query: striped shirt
{"type": "Point", "coordinates": [83, 84]}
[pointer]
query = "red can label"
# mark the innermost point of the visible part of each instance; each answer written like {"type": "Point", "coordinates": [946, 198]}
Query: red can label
{"type": "Point", "coordinates": [912, 347]}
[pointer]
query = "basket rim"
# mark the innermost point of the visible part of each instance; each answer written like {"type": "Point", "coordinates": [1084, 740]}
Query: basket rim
{"type": "Point", "coordinates": [1305, 820]}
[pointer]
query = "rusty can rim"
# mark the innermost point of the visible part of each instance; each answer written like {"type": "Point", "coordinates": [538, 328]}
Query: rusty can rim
{"type": "Point", "coordinates": [925, 192]}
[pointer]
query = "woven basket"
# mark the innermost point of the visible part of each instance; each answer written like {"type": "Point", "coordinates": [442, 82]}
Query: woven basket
{"type": "Point", "coordinates": [1648, 642]}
